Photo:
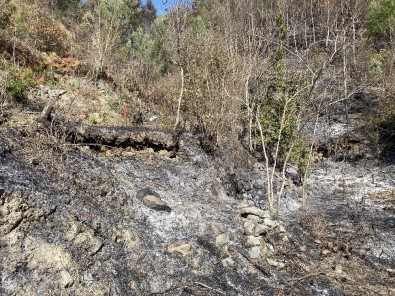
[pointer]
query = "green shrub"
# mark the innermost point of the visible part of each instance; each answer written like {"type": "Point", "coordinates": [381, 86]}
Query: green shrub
{"type": "Point", "coordinates": [96, 118]}
{"type": "Point", "coordinates": [381, 21]}
{"type": "Point", "coordinates": [17, 82]}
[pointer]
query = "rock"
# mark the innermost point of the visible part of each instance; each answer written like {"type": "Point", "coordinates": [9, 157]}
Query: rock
{"type": "Point", "coordinates": [255, 211]}
{"type": "Point", "coordinates": [251, 270]}
{"type": "Point", "coordinates": [279, 265]}
{"type": "Point", "coordinates": [244, 204]}
{"type": "Point", "coordinates": [155, 203]}
{"type": "Point", "coordinates": [270, 223]}
{"type": "Point", "coordinates": [261, 229]}
{"type": "Point", "coordinates": [55, 93]}
{"type": "Point", "coordinates": [152, 200]}
{"type": "Point", "coordinates": [97, 244]}
{"type": "Point", "coordinates": [270, 247]}
{"type": "Point", "coordinates": [182, 249]}
{"type": "Point", "coordinates": [217, 228]}
{"type": "Point", "coordinates": [325, 252]}
{"type": "Point", "coordinates": [66, 279]}
{"type": "Point", "coordinates": [254, 218]}
{"type": "Point", "coordinates": [249, 227]}
{"type": "Point", "coordinates": [153, 118]}
{"type": "Point", "coordinates": [285, 239]}
{"type": "Point", "coordinates": [338, 269]}
{"type": "Point", "coordinates": [2, 191]}
{"type": "Point", "coordinates": [88, 278]}
{"type": "Point", "coordinates": [221, 239]}
{"type": "Point", "coordinates": [228, 262]}
{"type": "Point", "coordinates": [391, 271]}
{"type": "Point", "coordinates": [254, 252]}
{"type": "Point", "coordinates": [253, 241]}
{"type": "Point", "coordinates": [281, 229]}
{"type": "Point", "coordinates": [259, 184]}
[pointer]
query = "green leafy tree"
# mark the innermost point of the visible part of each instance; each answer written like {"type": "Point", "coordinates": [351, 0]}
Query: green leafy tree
{"type": "Point", "coordinates": [381, 21]}
{"type": "Point", "coordinates": [130, 18]}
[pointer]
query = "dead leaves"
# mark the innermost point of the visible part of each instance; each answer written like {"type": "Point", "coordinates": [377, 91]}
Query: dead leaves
{"type": "Point", "coordinates": [332, 247]}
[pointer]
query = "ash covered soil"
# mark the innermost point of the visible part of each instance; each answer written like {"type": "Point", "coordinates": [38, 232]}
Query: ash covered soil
{"type": "Point", "coordinates": [83, 219]}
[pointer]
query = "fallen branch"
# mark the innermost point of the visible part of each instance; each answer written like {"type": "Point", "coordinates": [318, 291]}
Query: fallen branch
{"type": "Point", "coordinates": [117, 137]}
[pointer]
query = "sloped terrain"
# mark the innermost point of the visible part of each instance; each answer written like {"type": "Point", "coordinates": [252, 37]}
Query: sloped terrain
{"type": "Point", "coordinates": [73, 221]}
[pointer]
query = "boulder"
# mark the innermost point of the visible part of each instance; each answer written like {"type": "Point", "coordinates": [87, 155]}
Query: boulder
{"type": "Point", "coordinates": [254, 252]}
{"type": "Point", "coordinates": [152, 200]}
{"type": "Point", "coordinates": [65, 279]}
{"type": "Point", "coordinates": [255, 211]}
{"type": "Point", "coordinates": [181, 249]}
{"type": "Point", "coordinates": [253, 241]}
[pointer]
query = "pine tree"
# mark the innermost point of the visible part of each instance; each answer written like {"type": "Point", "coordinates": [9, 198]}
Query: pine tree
{"type": "Point", "coordinates": [149, 15]}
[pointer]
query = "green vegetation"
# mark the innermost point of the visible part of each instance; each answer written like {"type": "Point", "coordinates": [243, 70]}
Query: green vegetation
{"type": "Point", "coordinates": [17, 82]}
{"type": "Point", "coordinates": [381, 21]}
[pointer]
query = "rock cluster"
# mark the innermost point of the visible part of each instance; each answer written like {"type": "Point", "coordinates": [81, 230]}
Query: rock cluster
{"type": "Point", "coordinates": [258, 228]}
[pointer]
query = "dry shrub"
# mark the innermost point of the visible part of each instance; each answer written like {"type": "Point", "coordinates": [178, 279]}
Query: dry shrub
{"type": "Point", "coordinates": [317, 224]}
{"type": "Point", "coordinates": [61, 65]}
{"type": "Point", "coordinates": [165, 93]}
{"type": "Point", "coordinates": [213, 89]}
{"type": "Point", "coordinates": [49, 35]}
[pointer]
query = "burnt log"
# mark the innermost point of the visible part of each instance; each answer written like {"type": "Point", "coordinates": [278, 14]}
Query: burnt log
{"type": "Point", "coordinates": [137, 138]}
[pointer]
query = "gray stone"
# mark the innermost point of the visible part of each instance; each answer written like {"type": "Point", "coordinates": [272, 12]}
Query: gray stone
{"type": "Point", "coordinates": [221, 239]}
{"type": "Point", "coordinates": [55, 93]}
{"type": "Point", "coordinates": [181, 249]}
{"type": "Point", "coordinates": [259, 184]}
{"type": "Point", "coordinates": [88, 278]}
{"type": "Point", "coordinates": [66, 279]}
{"type": "Point", "coordinates": [338, 269]}
{"type": "Point", "coordinates": [281, 229]}
{"type": "Point", "coordinates": [155, 203]}
{"type": "Point", "coordinates": [253, 241]}
{"type": "Point", "coordinates": [244, 204]}
{"type": "Point", "coordinates": [249, 227]}
{"type": "Point", "coordinates": [254, 218]}
{"type": "Point", "coordinates": [274, 263]}
{"type": "Point", "coordinates": [261, 229]}
{"type": "Point", "coordinates": [152, 200]}
{"type": "Point", "coordinates": [97, 244]}
{"type": "Point", "coordinates": [254, 252]}
{"type": "Point", "coordinates": [217, 228]}
{"type": "Point", "coordinates": [255, 211]}
{"type": "Point", "coordinates": [270, 223]}
{"type": "Point", "coordinates": [270, 247]}
{"type": "Point", "coordinates": [228, 262]}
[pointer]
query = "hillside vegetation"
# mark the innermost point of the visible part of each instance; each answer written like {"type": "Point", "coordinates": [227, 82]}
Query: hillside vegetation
{"type": "Point", "coordinates": [222, 147]}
